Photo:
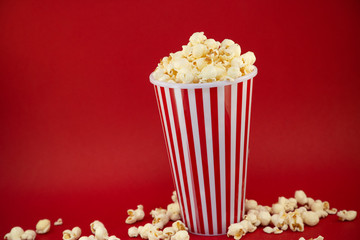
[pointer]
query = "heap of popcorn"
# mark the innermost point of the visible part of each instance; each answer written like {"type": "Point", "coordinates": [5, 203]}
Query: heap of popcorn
{"type": "Point", "coordinates": [205, 60]}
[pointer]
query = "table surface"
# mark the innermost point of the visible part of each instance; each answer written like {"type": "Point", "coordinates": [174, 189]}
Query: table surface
{"type": "Point", "coordinates": [80, 134]}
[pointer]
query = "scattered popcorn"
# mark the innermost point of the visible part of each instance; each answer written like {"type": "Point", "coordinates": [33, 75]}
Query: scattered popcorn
{"type": "Point", "coordinates": [91, 237]}
{"type": "Point", "coordinates": [155, 234]}
{"type": "Point", "coordinates": [295, 222]}
{"type": "Point", "coordinates": [135, 215]}
{"type": "Point", "coordinates": [310, 218]}
{"type": "Point", "coordinates": [278, 208]}
{"type": "Point", "coordinates": [264, 218]}
{"type": "Point", "coordinates": [181, 235]}
{"type": "Point", "coordinates": [318, 238]}
{"type": "Point", "coordinates": [160, 220]}
{"type": "Point", "coordinates": [238, 230]}
{"type": "Point", "coordinates": [301, 197]}
{"type": "Point", "coordinates": [252, 217]}
{"type": "Point", "coordinates": [145, 230]}
{"type": "Point", "coordinates": [28, 235]}
{"type": "Point", "coordinates": [250, 204]}
{"type": "Point", "coordinates": [280, 221]}
{"type": "Point", "coordinates": [289, 204]}
{"type": "Point", "coordinates": [173, 211]}
{"type": "Point", "coordinates": [58, 222]}
{"type": "Point", "coordinates": [179, 225]}
{"type": "Point", "coordinates": [43, 226]}
{"type": "Point", "coordinates": [73, 234]}
{"type": "Point", "coordinates": [205, 60]}
{"type": "Point", "coordinates": [168, 232]}
{"type": "Point", "coordinates": [133, 232]}
{"type": "Point", "coordinates": [345, 215]}
{"type": "Point", "coordinates": [268, 230]}
{"type": "Point", "coordinates": [99, 230]}
{"type": "Point", "coordinates": [14, 234]}
{"type": "Point", "coordinates": [113, 237]}
{"type": "Point", "coordinates": [302, 238]}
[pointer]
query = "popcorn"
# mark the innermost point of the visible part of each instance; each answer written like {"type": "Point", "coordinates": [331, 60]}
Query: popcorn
{"type": "Point", "coordinates": [274, 230]}
{"type": "Point", "coordinates": [14, 234]}
{"type": "Point", "coordinates": [154, 234]}
{"type": "Point", "coordinates": [173, 211]}
{"type": "Point", "coordinates": [252, 217]}
{"type": "Point", "coordinates": [278, 208]}
{"type": "Point", "coordinates": [174, 197]}
{"type": "Point", "coordinates": [160, 220]}
{"type": "Point", "coordinates": [295, 222]}
{"type": "Point", "coordinates": [43, 226]}
{"type": "Point", "coordinates": [264, 217]}
{"type": "Point", "coordinates": [205, 60]}
{"type": "Point", "coordinates": [73, 234]}
{"type": "Point", "coordinates": [280, 221]}
{"type": "Point", "coordinates": [99, 230]}
{"type": "Point", "coordinates": [318, 238]}
{"type": "Point", "coordinates": [310, 218]}
{"type": "Point", "coordinates": [135, 215]}
{"type": "Point", "coordinates": [133, 232]}
{"type": "Point", "coordinates": [289, 204]}
{"type": "Point", "coordinates": [345, 215]}
{"type": "Point", "coordinates": [28, 235]}
{"type": "Point", "coordinates": [250, 204]}
{"type": "Point", "coordinates": [168, 232]}
{"type": "Point", "coordinates": [58, 222]}
{"type": "Point", "coordinates": [91, 237]}
{"type": "Point", "coordinates": [113, 237]}
{"type": "Point", "coordinates": [179, 225]}
{"type": "Point", "coordinates": [238, 230]}
{"type": "Point", "coordinates": [301, 197]}
{"type": "Point", "coordinates": [145, 230]}
{"type": "Point", "coordinates": [181, 235]}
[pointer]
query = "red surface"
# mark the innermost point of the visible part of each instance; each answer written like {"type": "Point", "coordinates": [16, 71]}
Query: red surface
{"type": "Point", "coordinates": [80, 134]}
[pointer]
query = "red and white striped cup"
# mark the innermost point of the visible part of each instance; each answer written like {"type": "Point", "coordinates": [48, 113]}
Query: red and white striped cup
{"type": "Point", "coordinates": [206, 129]}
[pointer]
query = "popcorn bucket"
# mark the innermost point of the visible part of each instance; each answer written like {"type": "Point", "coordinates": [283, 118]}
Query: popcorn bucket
{"type": "Point", "coordinates": [206, 128]}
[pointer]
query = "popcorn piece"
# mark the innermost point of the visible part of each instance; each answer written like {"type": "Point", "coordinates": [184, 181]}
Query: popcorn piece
{"type": "Point", "coordinates": [301, 197]}
{"type": "Point", "coordinates": [14, 234]}
{"type": "Point", "coordinates": [277, 230]}
{"type": "Point", "coordinates": [252, 217]}
{"type": "Point", "coordinates": [280, 220]}
{"type": "Point", "coordinates": [212, 44]}
{"type": "Point", "coordinates": [264, 218]}
{"type": "Point", "coordinates": [179, 225]}
{"type": "Point", "coordinates": [268, 230]}
{"type": "Point", "coordinates": [238, 230]}
{"type": "Point", "coordinates": [91, 237]}
{"type": "Point", "coordinates": [173, 211]}
{"type": "Point", "coordinates": [168, 232]}
{"type": "Point", "coordinates": [197, 38]}
{"type": "Point", "coordinates": [28, 235]}
{"type": "Point", "coordinates": [113, 237]}
{"type": "Point", "coordinates": [145, 230]}
{"type": "Point", "coordinates": [250, 204]}
{"type": "Point", "coordinates": [160, 220]}
{"type": "Point", "coordinates": [43, 226]}
{"type": "Point", "coordinates": [155, 234]}
{"type": "Point", "coordinates": [99, 230]}
{"type": "Point", "coordinates": [174, 197]}
{"type": "Point", "coordinates": [345, 215]}
{"type": "Point", "coordinates": [135, 215]}
{"type": "Point", "coordinates": [181, 235]}
{"type": "Point", "coordinates": [310, 218]}
{"type": "Point", "coordinates": [58, 222]}
{"type": "Point", "coordinates": [278, 208]}
{"type": "Point", "coordinates": [332, 211]}
{"type": "Point", "coordinates": [295, 222]}
{"type": "Point", "coordinates": [208, 73]}
{"type": "Point", "coordinates": [302, 238]}
{"type": "Point", "coordinates": [319, 238]}
{"type": "Point", "coordinates": [326, 207]}
{"type": "Point", "coordinates": [73, 234]}
{"type": "Point", "coordinates": [289, 204]}
{"type": "Point", "coordinates": [133, 232]}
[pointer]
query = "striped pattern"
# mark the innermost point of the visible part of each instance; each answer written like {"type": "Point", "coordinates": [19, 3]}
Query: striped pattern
{"type": "Point", "coordinates": [207, 136]}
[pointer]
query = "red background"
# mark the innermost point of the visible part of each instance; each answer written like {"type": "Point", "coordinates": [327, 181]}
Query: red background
{"type": "Point", "coordinates": [80, 134]}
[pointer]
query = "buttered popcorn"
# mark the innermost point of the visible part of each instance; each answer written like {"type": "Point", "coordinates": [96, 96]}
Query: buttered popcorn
{"type": "Point", "coordinates": [205, 60]}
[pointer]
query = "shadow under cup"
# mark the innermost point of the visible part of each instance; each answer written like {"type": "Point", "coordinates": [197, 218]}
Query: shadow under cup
{"type": "Point", "coordinates": [206, 128]}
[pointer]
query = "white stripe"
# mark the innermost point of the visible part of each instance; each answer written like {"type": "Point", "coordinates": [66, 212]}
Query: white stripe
{"type": "Point", "coordinates": [195, 130]}
{"type": "Point", "coordinates": [209, 147]}
{"type": "Point", "coordinates": [248, 134]}
{"type": "Point", "coordinates": [233, 150]}
{"type": "Point", "coordinates": [242, 136]}
{"type": "Point", "coordinates": [185, 144]}
{"type": "Point", "coordinates": [176, 148]}
{"type": "Point", "coordinates": [221, 117]}
{"type": "Point", "coordinates": [169, 145]}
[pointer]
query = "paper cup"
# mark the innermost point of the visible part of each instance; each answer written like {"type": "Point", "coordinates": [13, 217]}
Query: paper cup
{"type": "Point", "coordinates": [206, 128]}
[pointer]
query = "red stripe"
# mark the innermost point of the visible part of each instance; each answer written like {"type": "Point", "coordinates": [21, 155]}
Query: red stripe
{"type": "Point", "coordinates": [202, 136]}
{"type": "Point", "coordinates": [245, 139]}
{"type": "Point", "coordinates": [190, 224]}
{"type": "Point", "coordinates": [166, 114]}
{"type": "Point", "coordinates": [237, 156]}
{"type": "Point", "coordinates": [215, 137]}
{"type": "Point", "coordinates": [228, 150]}
{"type": "Point", "coordinates": [192, 159]}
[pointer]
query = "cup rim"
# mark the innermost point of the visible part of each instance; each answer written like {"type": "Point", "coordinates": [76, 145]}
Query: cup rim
{"type": "Point", "coordinates": [203, 85]}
